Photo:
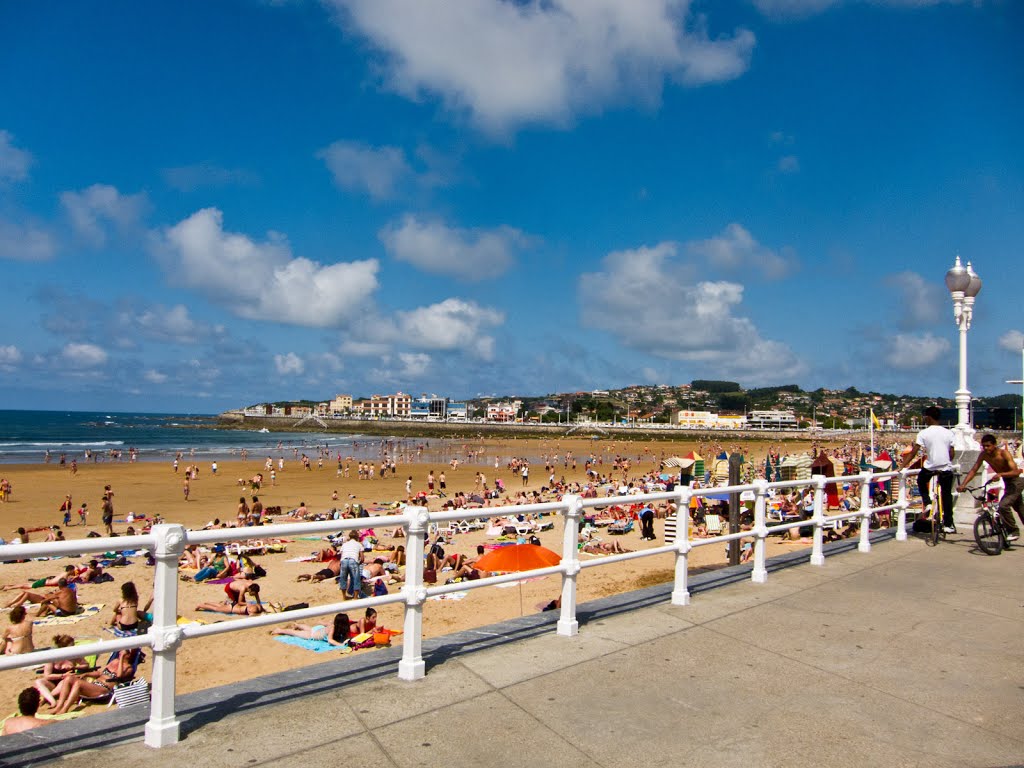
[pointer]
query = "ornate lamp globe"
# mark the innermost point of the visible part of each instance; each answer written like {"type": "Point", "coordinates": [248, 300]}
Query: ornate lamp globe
{"type": "Point", "coordinates": [958, 279]}
{"type": "Point", "coordinates": [974, 284]}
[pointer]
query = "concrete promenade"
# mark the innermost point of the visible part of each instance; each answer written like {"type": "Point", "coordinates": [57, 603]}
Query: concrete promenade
{"type": "Point", "coordinates": [903, 656]}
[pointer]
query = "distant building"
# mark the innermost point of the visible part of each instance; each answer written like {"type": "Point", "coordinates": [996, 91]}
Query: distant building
{"type": "Point", "coordinates": [504, 412]}
{"type": "Point", "coordinates": [341, 404]}
{"type": "Point", "coordinates": [771, 420]}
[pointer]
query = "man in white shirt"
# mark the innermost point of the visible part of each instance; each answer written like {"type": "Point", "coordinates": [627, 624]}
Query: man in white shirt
{"type": "Point", "coordinates": [351, 555]}
{"type": "Point", "coordinates": [937, 443]}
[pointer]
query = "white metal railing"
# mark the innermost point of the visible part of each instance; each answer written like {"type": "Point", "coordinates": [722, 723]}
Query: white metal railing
{"type": "Point", "coordinates": [168, 541]}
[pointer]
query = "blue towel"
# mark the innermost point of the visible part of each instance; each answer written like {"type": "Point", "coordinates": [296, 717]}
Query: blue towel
{"type": "Point", "coordinates": [319, 646]}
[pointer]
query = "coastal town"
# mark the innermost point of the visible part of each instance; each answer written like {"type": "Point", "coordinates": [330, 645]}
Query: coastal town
{"type": "Point", "coordinates": [701, 404]}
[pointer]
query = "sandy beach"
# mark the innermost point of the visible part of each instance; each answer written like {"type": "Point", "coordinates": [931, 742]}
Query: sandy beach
{"type": "Point", "coordinates": [155, 488]}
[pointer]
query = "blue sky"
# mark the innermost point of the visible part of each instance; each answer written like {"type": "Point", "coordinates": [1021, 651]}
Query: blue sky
{"type": "Point", "coordinates": [210, 204]}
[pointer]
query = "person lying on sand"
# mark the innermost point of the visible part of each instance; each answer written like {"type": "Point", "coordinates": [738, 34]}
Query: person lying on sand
{"type": "Point", "coordinates": [338, 635]}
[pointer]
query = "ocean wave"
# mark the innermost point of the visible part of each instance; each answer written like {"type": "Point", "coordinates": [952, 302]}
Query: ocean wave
{"type": "Point", "coordinates": [69, 444]}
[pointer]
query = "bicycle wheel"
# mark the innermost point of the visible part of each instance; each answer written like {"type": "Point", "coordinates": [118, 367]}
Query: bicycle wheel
{"type": "Point", "coordinates": [988, 535]}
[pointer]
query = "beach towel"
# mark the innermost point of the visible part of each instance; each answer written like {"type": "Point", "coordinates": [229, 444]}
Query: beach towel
{"type": "Point", "coordinates": [84, 612]}
{"type": "Point", "coordinates": [307, 559]}
{"type": "Point", "coordinates": [449, 596]}
{"type": "Point", "coordinates": [317, 646]}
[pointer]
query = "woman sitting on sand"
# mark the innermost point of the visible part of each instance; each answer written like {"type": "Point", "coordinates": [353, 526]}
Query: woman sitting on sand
{"type": "Point", "coordinates": [54, 671]}
{"type": "Point", "coordinates": [18, 637]}
{"type": "Point", "coordinates": [126, 612]}
{"type": "Point", "coordinates": [339, 635]}
{"type": "Point", "coordinates": [94, 685]}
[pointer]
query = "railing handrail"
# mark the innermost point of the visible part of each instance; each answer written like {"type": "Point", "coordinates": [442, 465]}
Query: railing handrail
{"type": "Point", "coordinates": [166, 542]}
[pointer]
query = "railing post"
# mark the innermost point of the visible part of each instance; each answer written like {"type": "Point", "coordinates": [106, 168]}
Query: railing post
{"type": "Point", "coordinates": [412, 666]}
{"type": "Point", "coordinates": [681, 590]}
{"type": "Point", "coordinates": [902, 505]}
{"type": "Point", "coordinates": [760, 573]}
{"type": "Point", "coordinates": [817, 548]}
{"type": "Point", "coordinates": [865, 515]}
{"type": "Point", "coordinates": [567, 623]}
{"type": "Point", "coordinates": [163, 727]}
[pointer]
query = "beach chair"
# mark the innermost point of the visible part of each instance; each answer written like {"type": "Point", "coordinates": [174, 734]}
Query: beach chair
{"type": "Point", "coordinates": [621, 526]}
{"type": "Point", "coordinates": [713, 524]}
{"type": "Point", "coordinates": [108, 698]}
{"type": "Point", "coordinates": [130, 694]}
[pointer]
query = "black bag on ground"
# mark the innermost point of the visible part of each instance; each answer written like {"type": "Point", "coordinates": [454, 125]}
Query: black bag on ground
{"type": "Point", "coordinates": [295, 607]}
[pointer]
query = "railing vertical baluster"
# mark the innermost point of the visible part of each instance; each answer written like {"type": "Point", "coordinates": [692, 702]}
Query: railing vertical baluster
{"type": "Point", "coordinates": [902, 504]}
{"type": "Point", "coordinates": [567, 622]}
{"type": "Point", "coordinates": [760, 573]}
{"type": "Point", "coordinates": [865, 515]}
{"type": "Point", "coordinates": [817, 547]}
{"type": "Point", "coordinates": [163, 727]}
{"type": "Point", "coordinates": [681, 590]}
{"type": "Point", "coordinates": [412, 666]}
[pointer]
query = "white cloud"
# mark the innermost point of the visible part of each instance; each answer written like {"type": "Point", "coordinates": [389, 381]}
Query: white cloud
{"type": "Point", "coordinates": [363, 348]}
{"type": "Point", "coordinates": [10, 355]}
{"type": "Point", "coordinates": [95, 207]}
{"type": "Point", "coordinates": [736, 249]}
{"type": "Point", "coordinates": [14, 162]}
{"type": "Point", "coordinates": [789, 164]}
{"type": "Point", "coordinates": [414, 364]}
{"type": "Point", "coordinates": [84, 355]}
{"type": "Point", "coordinates": [188, 178]}
{"type": "Point", "coordinates": [452, 324]}
{"type": "Point", "coordinates": [919, 302]}
{"type": "Point", "coordinates": [154, 376]}
{"type": "Point", "coordinates": [908, 351]}
{"type": "Point", "coordinates": [168, 324]}
{"type": "Point", "coordinates": [378, 171]}
{"type": "Point", "coordinates": [647, 300]}
{"type": "Point", "coordinates": [289, 364]}
{"type": "Point", "coordinates": [1012, 341]}
{"type": "Point", "coordinates": [25, 242]}
{"type": "Point", "coordinates": [470, 254]}
{"type": "Point", "coordinates": [262, 280]}
{"type": "Point", "coordinates": [803, 8]}
{"type": "Point", "coordinates": [509, 63]}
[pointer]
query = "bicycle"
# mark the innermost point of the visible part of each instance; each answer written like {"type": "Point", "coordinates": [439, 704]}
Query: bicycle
{"type": "Point", "coordinates": [937, 512]}
{"type": "Point", "coordinates": [989, 528]}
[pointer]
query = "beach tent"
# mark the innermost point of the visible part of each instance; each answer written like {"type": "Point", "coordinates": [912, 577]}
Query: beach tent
{"type": "Point", "coordinates": [823, 465]}
{"type": "Point", "coordinates": [677, 461]}
{"type": "Point", "coordinates": [720, 469]}
{"type": "Point", "coordinates": [884, 463]}
{"type": "Point", "coordinates": [698, 464]}
{"type": "Point", "coordinates": [796, 466]}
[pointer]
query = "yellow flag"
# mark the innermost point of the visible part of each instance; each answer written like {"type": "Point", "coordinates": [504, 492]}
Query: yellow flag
{"type": "Point", "coordinates": [874, 420]}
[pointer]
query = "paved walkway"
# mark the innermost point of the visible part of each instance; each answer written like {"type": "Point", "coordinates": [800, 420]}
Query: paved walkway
{"type": "Point", "coordinates": [903, 656]}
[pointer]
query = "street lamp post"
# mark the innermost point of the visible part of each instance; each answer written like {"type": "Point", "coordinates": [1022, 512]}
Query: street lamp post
{"type": "Point", "coordinates": [964, 285]}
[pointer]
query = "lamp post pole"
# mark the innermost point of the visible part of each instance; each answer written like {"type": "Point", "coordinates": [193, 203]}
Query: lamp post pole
{"type": "Point", "coordinates": [964, 285]}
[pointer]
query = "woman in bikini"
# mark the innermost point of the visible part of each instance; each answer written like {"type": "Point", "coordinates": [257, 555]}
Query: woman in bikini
{"type": "Point", "coordinates": [237, 591]}
{"type": "Point", "coordinates": [18, 637]}
{"type": "Point", "coordinates": [338, 636]}
{"type": "Point", "coordinates": [54, 671]}
{"type": "Point", "coordinates": [126, 612]}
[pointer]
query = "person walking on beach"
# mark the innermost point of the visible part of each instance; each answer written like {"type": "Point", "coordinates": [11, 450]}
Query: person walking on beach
{"type": "Point", "coordinates": [1001, 462]}
{"type": "Point", "coordinates": [185, 488]}
{"type": "Point", "coordinates": [937, 442]}
{"type": "Point", "coordinates": [108, 513]}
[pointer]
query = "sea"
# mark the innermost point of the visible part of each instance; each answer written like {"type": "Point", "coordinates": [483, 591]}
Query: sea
{"type": "Point", "coordinates": [27, 436]}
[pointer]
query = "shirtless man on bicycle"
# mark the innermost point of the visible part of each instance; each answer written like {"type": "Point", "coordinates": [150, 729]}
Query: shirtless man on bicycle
{"type": "Point", "coordinates": [1001, 462]}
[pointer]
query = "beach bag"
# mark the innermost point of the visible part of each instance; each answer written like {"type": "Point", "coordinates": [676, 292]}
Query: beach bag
{"type": "Point", "coordinates": [429, 576]}
{"type": "Point", "coordinates": [379, 589]}
{"type": "Point", "coordinates": [382, 637]}
{"type": "Point", "coordinates": [295, 607]}
{"type": "Point", "coordinates": [259, 572]}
